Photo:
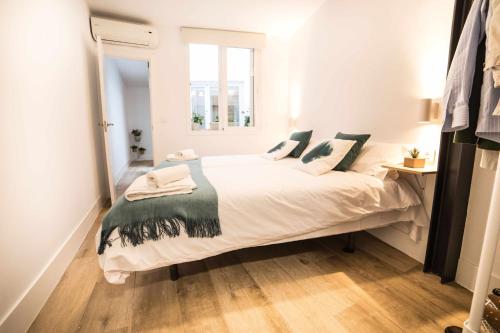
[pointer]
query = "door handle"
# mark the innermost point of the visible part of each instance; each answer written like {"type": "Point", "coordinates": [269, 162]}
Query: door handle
{"type": "Point", "coordinates": [105, 125]}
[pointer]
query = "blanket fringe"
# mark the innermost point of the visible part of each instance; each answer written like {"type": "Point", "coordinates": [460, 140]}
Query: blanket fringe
{"type": "Point", "coordinates": [157, 228]}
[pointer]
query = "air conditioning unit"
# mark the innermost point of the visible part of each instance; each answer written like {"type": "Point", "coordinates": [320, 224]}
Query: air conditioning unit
{"type": "Point", "coordinates": [124, 33]}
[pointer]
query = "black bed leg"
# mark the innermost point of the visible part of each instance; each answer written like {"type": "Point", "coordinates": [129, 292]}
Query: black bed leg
{"type": "Point", "coordinates": [174, 272]}
{"type": "Point", "coordinates": [350, 246]}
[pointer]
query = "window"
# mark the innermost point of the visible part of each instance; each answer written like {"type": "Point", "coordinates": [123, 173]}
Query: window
{"type": "Point", "coordinates": [221, 87]}
{"type": "Point", "coordinates": [204, 78]}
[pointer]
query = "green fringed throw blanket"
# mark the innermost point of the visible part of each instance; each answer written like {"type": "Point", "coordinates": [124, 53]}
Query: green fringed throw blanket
{"type": "Point", "coordinates": [155, 218]}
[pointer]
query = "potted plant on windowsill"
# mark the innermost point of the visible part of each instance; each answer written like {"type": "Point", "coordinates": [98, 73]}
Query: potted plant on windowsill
{"type": "Point", "coordinates": [134, 148]}
{"type": "Point", "coordinates": [413, 161]}
{"type": "Point", "coordinates": [197, 122]}
{"type": "Point", "coordinates": [137, 134]}
{"type": "Point", "coordinates": [141, 150]}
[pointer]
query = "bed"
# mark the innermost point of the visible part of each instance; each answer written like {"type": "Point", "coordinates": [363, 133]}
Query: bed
{"type": "Point", "coordinates": [264, 202]}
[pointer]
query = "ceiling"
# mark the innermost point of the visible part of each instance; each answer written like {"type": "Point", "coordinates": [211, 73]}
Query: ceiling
{"type": "Point", "coordinates": [133, 72]}
{"type": "Point", "coordinates": [274, 17]}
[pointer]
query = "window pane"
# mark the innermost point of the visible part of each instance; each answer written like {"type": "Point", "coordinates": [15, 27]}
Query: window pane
{"type": "Point", "coordinates": [204, 81]}
{"type": "Point", "coordinates": [214, 107]}
{"type": "Point", "coordinates": [240, 87]}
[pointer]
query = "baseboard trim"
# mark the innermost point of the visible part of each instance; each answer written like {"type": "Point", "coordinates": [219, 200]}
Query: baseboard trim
{"type": "Point", "coordinates": [466, 275]}
{"type": "Point", "coordinates": [402, 242]}
{"type": "Point", "coordinates": [24, 312]}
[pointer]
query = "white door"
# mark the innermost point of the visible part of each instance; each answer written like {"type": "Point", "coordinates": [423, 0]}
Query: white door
{"type": "Point", "coordinates": [104, 124]}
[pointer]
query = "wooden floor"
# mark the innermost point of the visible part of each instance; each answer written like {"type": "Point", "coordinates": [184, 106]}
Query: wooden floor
{"type": "Point", "coordinates": [306, 286]}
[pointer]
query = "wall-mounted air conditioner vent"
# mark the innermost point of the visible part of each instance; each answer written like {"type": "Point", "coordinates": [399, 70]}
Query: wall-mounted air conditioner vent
{"type": "Point", "coordinates": [124, 33]}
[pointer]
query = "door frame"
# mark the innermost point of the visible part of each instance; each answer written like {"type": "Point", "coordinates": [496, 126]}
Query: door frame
{"type": "Point", "coordinates": [139, 54]}
{"type": "Point", "coordinates": [103, 117]}
{"type": "Point", "coordinates": [128, 53]}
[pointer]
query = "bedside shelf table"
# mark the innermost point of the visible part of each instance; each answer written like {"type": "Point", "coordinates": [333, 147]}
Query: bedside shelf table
{"type": "Point", "coordinates": [419, 176]}
{"type": "Point", "coordinates": [427, 170]}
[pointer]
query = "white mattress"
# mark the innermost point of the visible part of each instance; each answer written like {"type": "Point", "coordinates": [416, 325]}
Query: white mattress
{"type": "Point", "coordinates": [263, 202]}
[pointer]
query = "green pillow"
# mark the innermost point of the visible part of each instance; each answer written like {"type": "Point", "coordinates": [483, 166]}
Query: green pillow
{"type": "Point", "coordinates": [355, 150]}
{"type": "Point", "coordinates": [303, 138]}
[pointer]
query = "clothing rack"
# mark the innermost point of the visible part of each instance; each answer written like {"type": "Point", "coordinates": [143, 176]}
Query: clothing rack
{"type": "Point", "coordinates": [486, 261]}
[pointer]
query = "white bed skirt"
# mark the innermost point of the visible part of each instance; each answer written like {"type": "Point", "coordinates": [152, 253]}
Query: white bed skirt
{"type": "Point", "coordinates": [148, 256]}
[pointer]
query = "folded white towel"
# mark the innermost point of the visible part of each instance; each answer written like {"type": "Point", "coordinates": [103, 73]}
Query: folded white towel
{"type": "Point", "coordinates": [173, 157]}
{"type": "Point", "coordinates": [165, 176]}
{"type": "Point", "coordinates": [186, 153]}
{"type": "Point", "coordinates": [141, 190]}
{"type": "Point", "coordinates": [183, 155]}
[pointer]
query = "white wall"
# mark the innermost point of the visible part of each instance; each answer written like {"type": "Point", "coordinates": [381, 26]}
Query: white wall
{"type": "Point", "coordinates": [477, 213]}
{"type": "Point", "coordinates": [118, 134]}
{"type": "Point", "coordinates": [360, 66]}
{"type": "Point", "coordinates": [137, 107]}
{"type": "Point", "coordinates": [170, 99]}
{"type": "Point", "coordinates": [50, 171]}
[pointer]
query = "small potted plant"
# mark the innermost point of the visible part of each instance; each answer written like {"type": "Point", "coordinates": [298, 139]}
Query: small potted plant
{"type": "Point", "coordinates": [197, 121]}
{"type": "Point", "coordinates": [137, 134]}
{"type": "Point", "coordinates": [141, 150]}
{"type": "Point", "coordinates": [413, 161]}
{"type": "Point", "coordinates": [134, 148]}
{"type": "Point", "coordinates": [214, 125]}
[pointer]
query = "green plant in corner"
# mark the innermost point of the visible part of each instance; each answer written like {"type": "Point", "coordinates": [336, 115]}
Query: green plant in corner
{"type": "Point", "coordinates": [134, 148]}
{"type": "Point", "coordinates": [414, 153]}
{"type": "Point", "coordinates": [136, 132]}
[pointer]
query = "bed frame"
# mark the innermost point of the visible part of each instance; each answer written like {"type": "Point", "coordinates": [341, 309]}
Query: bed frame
{"type": "Point", "coordinates": [348, 248]}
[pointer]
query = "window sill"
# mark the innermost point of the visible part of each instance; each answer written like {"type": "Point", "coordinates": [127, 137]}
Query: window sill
{"type": "Point", "coordinates": [225, 132]}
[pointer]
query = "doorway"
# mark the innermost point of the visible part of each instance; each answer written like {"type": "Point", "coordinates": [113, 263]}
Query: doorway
{"type": "Point", "coordinates": [130, 144]}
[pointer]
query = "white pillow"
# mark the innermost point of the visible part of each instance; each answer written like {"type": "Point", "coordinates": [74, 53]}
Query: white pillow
{"type": "Point", "coordinates": [373, 155]}
{"type": "Point", "coordinates": [325, 156]}
{"type": "Point", "coordinates": [282, 150]}
{"type": "Point", "coordinates": [312, 143]}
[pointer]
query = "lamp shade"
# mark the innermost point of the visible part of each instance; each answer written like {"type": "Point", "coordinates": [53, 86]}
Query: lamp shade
{"type": "Point", "coordinates": [429, 111]}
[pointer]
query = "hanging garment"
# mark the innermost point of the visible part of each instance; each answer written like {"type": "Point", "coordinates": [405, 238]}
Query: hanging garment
{"type": "Point", "coordinates": [488, 125]}
{"type": "Point", "coordinates": [461, 74]}
{"type": "Point", "coordinates": [493, 44]}
{"type": "Point", "coordinates": [489, 122]}
{"type": "Point", "coordinates": [468, 134]}
{"type": "Point", "coordinates": [461, 104]}
{"type": "Point", "coordinates": [493, 47]}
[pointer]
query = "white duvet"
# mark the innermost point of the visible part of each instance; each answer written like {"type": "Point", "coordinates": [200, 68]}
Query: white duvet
{"type": "Point", "coordinates": [263, 202]}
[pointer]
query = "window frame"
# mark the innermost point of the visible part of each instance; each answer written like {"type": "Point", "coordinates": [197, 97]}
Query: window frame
{"type": "Point", "coordinates": [224, 127]}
